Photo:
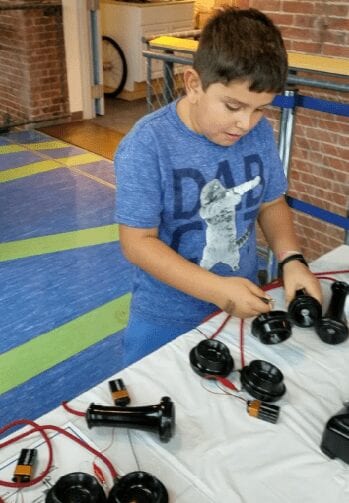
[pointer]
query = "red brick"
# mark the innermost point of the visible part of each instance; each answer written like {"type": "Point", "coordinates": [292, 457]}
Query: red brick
{"type": "Point", "coordinates": [333, 50]}
{"type": "Point", "coordinates": [294, 6]}
{"type": "Point", "coordinates": [266, 5]}
{"type": "Point", "coordinates": [338, 23]}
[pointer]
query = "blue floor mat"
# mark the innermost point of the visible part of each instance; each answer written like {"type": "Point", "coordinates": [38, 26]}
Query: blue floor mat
{"type": "Point", "coordinates": [52, 202]}
{"type": "Point", "coordinates": [42, 290]}
{"type": "Point", "coordinates": [41, 293]}
{"type": "Point", "coordinates": [63, 382]}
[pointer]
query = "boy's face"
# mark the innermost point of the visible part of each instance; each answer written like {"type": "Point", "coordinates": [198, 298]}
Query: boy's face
{"type": "Point", "coordinates": [224, 113]}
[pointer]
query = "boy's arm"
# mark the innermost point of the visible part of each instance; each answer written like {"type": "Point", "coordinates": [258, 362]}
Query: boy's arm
{"type": "Point", "coordinates": [235, 295]}
{"type": "Point", "coordinates": [275, 219]}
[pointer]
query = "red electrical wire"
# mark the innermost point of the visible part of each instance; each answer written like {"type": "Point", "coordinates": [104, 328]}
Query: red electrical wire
{"type": "Point", "coordinates": [36, 428]}
{"type": "Point", "coordinates": [343, 271]}
{"type": "Point", "coordinates": [73, 411]}
{"type": "Point", "coordinates": [221, 326]}
{"type": "Point", "coordinates": [242, 352]}
{"type": "Point", "coordinates": [42, 430]}
{"type": "Point", "coordinates": [326, 277]}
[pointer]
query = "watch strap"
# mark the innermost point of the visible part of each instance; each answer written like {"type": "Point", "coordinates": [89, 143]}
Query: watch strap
{"type": "Point", "coordinates": [296, 256]}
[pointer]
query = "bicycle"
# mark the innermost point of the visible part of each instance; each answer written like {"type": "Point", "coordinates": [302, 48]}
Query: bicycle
{"type": "Point", "coordinates": [114, 67]}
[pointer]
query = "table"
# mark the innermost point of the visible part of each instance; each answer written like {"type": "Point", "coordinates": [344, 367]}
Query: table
{"type": "Point", "coordinates": [220, 453]}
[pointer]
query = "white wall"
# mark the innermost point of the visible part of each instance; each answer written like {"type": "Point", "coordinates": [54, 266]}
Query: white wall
{"type": "Point", "coordinates": [71, 42]}
{"type": "Point", "coordinates": [78, 56]}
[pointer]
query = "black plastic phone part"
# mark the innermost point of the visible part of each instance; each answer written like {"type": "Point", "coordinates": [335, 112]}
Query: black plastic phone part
{"type": "Point", "coordinates": [263, 381]}
{"type": "Point", "coordinates": [158, 418]}
{"type": "Point", "coordinates": [304, 310]}
{"type": "Point", "coordinates": [138, 487]}
{"type": "Point", "coordinates": [76, 487]}
{"type": "Point", "coordinates": [332, 328]}
{"type": "Point", "coordinates": [119, 392]}
{"type": "Point", "coordinates": [335, 438]}
{"type": "Point", "coordinates": [211, 358]}
{"type": "Point", "coordinates": [264, 411]}
{"type": "Point", "coordinates": [272, 327]}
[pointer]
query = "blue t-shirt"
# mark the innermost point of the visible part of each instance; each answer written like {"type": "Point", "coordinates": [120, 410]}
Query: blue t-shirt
{"type": "Point", "coordinates": [203, 198]}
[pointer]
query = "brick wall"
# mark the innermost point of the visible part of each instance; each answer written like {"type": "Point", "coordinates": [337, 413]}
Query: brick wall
{"type": "Point", "coordinates": [33, 85]}
{"type": "Point", "coordinates": [319, 170]}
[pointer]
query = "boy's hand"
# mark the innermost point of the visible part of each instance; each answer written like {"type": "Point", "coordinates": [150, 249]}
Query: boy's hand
{"type": "Point", "coordinates": [242, 298]}
{"type": "Point", "coordinates": [297, 276]}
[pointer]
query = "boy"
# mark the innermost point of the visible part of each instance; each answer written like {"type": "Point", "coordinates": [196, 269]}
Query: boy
{"type": "Point", "coordinates": [193, 178]}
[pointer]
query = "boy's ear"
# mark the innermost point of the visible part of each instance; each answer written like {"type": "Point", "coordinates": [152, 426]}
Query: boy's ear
{"type": "Point", "coordinates": [192, 84]}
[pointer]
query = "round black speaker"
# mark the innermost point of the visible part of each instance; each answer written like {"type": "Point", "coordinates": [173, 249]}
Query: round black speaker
{"type": "Point", "coordinates": [332, 331]}
{"type": "Point", "coordinates": [211, 358]}
{"type": "Point", "coordinates": [272, 327]}
{"type": "Point", "coordinates": [263, 381]}
{"type": "Point", "coordinates": [138, 487]}
{"type": "Point", "coordinates": [76, 487]}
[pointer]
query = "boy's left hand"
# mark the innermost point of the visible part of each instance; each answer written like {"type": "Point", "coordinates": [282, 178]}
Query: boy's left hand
{"type": "Point", "coordinates": [297, 276]}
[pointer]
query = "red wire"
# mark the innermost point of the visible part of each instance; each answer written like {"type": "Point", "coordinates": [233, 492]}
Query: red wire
{"type": "Point", "coordinates": [221, 326]}
{"type": "Point", "coordinates": [242, 356]}
{"type": "Point", "coordinates": [326, 277]}
{"type": "Point", "coordinates": [333, 272]}
{"type": "Point", "coordinates": [42, 431]}
{"type": "Point", "coordinates": [73, 411]}
{"type": "Point", "coordinates": [39, 429]}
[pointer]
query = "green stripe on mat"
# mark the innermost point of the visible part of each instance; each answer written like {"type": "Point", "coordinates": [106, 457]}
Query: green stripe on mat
{"type": "Point", "coordinates": [29, 169]}
{"type": "Point", "coordinates": [44, 145]}
{"type": "Point", "coordinates": [80, 160]}
{"type": "Point", "coordinates": [11, 149]}
{"type": "Point", "coordinates": [58, 242]}
{"type": "Point", "coordinates": [48, 165]}
{"type": "Point", "coordinates": [49, 349]}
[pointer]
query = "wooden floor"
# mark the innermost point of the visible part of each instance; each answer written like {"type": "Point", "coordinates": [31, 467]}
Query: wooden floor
{"type": "Point", "coordinates": [85, 134]}
{"type": "Point", "coordinates": [102, 134]}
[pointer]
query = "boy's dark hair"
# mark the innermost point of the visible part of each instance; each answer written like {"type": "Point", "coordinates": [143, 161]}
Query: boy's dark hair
{"type": "Point", "coordinates": [242, 44]}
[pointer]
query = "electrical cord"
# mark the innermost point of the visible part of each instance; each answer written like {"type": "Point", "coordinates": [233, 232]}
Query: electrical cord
{"type": "Point", "coordinates": [42, 430]}
{"type": "Point", "coordinates": [73, 411]}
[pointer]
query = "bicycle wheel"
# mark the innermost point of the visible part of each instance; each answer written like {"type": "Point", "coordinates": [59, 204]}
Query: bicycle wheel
{"type": "Point", "coordinates": [114, 67]}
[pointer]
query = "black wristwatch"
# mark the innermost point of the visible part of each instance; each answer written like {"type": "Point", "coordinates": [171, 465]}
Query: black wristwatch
{"type": "Point", "coordinates": [296, 256]}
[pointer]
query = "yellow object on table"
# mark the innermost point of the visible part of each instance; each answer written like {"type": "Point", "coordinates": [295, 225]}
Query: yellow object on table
{"type": "Point", "coordinates": [296, 60]}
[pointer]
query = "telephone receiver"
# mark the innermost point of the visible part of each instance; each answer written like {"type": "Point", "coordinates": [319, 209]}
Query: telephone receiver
{"type": "Point", "coordinates": [135, 487]}
{"type": "Point", "coordinates": [158, 418]}
{"type": "Point", "coordinates": [332, 328]}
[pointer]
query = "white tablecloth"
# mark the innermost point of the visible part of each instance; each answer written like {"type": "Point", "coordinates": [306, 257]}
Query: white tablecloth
{"type": "Point", "coordinates": [220, 453]}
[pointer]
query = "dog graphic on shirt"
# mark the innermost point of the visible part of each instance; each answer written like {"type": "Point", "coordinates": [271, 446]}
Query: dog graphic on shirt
{"type": "Point", "coordinates": [218, 210]}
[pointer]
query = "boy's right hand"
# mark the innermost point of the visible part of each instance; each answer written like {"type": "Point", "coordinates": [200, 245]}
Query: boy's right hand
{"type": "Point", "coordinates": [242, 298]}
